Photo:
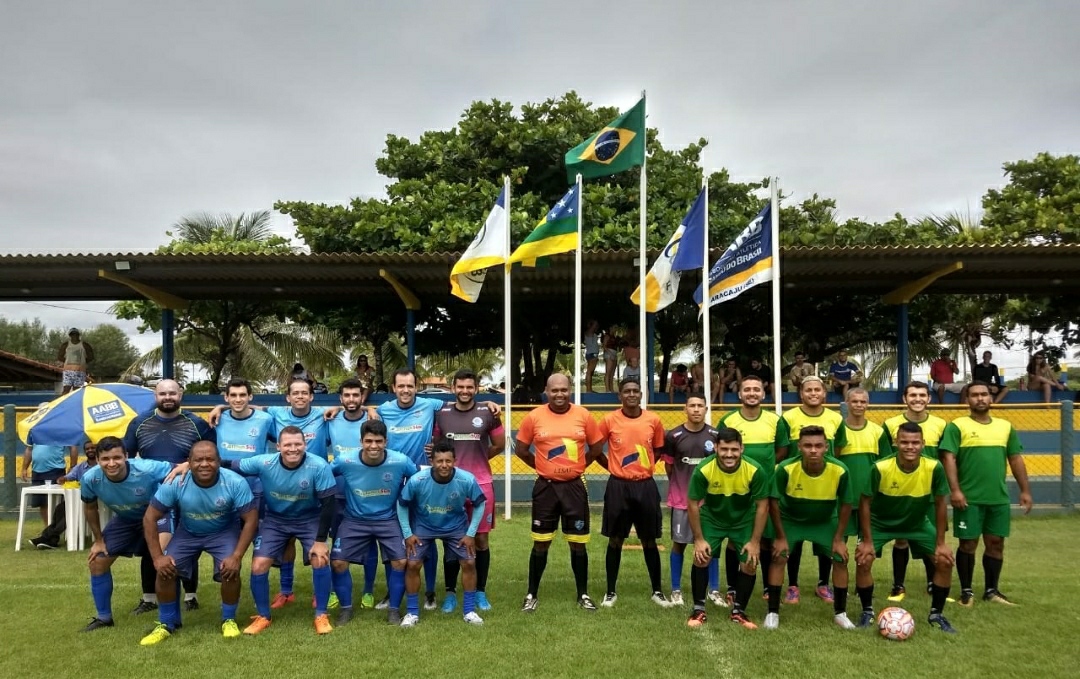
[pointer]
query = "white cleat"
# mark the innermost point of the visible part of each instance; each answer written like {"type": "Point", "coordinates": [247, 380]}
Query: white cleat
{"type": "Point", "coordinates": [772, 621]}
{"type": "Point", "coordinates": [609, 600]}
{"type": "Point", "coordinates": [659, 599]}
{"type": "Point", "coordinates": [842, 621]}
{"type": "Point", "coordinates": [676, 597]}
{"type": "Point", "coordinates": [473, 619]}
{"type": "Point", "coordinates": [717, 597]}
{"type": "Point", "coordinates": [410, 620]}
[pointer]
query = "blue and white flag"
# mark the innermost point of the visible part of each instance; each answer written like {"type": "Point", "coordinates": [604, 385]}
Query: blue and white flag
{"type": "Point", "coordinates": [683, 252]}
{"type": "Point", "coordinates": [487, 249]}
{"type": "Point", "coordinates": [746, 263]}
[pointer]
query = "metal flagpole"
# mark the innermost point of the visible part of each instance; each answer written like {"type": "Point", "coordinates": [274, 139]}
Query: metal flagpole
{"type": "Point", "coordinates": [577, 300]}
{"type": "Point", "coordinates": [706, 330]}
{"type": "Point", "coordinates": [508, 451]}
{"type": "Point", "coordinates": [642, 256]}
{"type": "Point", "coordinates": [775, 231]}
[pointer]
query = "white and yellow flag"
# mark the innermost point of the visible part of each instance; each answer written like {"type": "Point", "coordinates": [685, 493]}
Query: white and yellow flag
{"type": "Point", "coordinates": [487, 249]}
{"type": "Point", "coordinates": [683, 252]}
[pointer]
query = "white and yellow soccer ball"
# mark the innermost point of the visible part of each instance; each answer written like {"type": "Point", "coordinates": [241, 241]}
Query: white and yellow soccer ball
{"type": "Point", "coordinates": [896, 624]}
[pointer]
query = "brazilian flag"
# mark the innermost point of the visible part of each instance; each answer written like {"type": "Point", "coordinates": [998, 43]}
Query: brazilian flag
{"type": "Point", "coordinates": [618, 147]}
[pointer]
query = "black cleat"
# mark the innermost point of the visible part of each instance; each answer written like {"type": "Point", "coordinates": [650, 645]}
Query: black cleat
{"type": "Point", "coordinates": [344, 616]}
{"type": "Point", "coordinates": [586, 604]}
{"type": "Point", "coordinates": [191, 605]}
{"type": "Point", "coordinates": [98, 623]}
{"type": "Point", "coordinates": [938, 620]}
{"type": "Point", "coordinates": [144, 607]}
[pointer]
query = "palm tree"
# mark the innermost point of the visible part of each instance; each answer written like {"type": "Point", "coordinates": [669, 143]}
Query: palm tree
{"type": "Point", "coordinates": [203, 227]}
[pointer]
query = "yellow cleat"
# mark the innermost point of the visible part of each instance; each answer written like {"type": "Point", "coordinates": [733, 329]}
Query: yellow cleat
{"type": "Point", "coordinates": [156, 636]}
{"type": "Point", "coordinates": [229, 630]}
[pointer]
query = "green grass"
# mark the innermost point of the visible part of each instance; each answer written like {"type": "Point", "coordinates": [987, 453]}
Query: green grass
{"type": "Point", "coordinates": [45, 600]}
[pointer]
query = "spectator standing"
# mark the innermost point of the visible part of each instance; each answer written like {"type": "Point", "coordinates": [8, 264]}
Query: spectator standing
{"type": "Point", "coordinates": [75, 355]}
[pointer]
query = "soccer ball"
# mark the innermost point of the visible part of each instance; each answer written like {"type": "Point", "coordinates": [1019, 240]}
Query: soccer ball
{"type": "Point", "coordinates": [896, 624]}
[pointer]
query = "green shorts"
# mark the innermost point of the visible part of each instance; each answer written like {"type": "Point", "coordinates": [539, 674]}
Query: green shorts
{"type": "Point", "coordinates": [820, 535]}
{"type": "Point", "coordinates": [737, 539]}
{"type": "Point", "coordinates": [923, 540]}
{"type": "Point", "coordinates": [978, 520]}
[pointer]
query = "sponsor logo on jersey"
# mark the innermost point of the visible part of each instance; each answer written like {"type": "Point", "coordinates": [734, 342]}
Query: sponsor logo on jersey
{"type": "Point", "coordinates": [407, 429]}
{"type": "Point", "coordinates": [477, 422]}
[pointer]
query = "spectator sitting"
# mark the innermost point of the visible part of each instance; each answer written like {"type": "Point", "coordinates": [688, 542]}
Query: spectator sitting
{"type": "Point", "coordinates": [941, 374]}
{"type": "Point", "coordinates": [50, 537]}
{"type": "Point", "coordinates": [679, 382]}
{"type": "Point", "coordinates": [1042, 377]}
{"type": "Point", "coordinates": [799, 371]}
{"type": "Point", "coordinates": [989, 373]}
{"type": "Point", "coordinates": [844, 374]}
{"type": "Point", "coordinates": [762, 372]}
{"type": "Point", "coordinates": [729, 378]}
{"type": "Point", "coordinates": [632, 355]}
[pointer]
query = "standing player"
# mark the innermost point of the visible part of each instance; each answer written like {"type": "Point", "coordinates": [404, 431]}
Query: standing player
{"type": "Point", "coordinates": [433, 505]}
{"type": "Point", "coordinates": [975, 450]}
{"type": "Point", "coordinates": [811, 500]}
{"type": "Point", "coordinates": [916, 400]}
{"type": "Point", "coordinates": [635, 438]}
{"type": "Point", "coordinates": [373, 481]}
{"type": "Point", "coordinates": [243, 431]}
{"type": "Point", "coordinates": [210, 506]}
{"type": "Point", "coordinates": [125, 487]}
{"type": "Point", "coordinates": [894, 506]}
{"type": "Point", "coordinates": [477, 435]}
{"type": "Point", "coordinates": [865, 442]}
{"type": "Point", "coordinates": [685, 447]}
{"type": "Point", "coordinates": [729, 499]}
{"type": "Point", "coordinates": [561, 433]}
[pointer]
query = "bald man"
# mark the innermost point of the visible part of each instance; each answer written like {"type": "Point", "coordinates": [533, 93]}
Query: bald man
{"type": "Point", "coordinates": [559, 440]}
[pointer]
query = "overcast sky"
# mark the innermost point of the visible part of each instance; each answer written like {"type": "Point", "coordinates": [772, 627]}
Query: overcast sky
{"type": "Point", "coordinates": [116, 118]}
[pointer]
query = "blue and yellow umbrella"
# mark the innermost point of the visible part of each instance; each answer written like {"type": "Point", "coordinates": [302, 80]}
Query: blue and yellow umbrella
{"type": "Point", "coordinates": [93, 412]}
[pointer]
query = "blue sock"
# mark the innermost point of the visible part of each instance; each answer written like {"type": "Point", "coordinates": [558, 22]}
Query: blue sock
{"type": "Point", "coordinates": [342, 587]}
{"type": "Point", "coordinates": [396, 587]}
{"type": "Point", "coordinates": [287, 572]}
{"type": "Point", "coordinates": [228, 611]}
{"type": "Point", "coordinates": [320, 579]}
{"type": "Point", "coordinates": [431, 567]}
{"type": "Point", "coordinates": [169, 614]}
{"type": "Point", "coordinates": [260, 592]}
{"type": "Point", "coordinates": [371, 569]}
{"type": "Point", "coordinates": [714, 575]}
{"type": "Point", "coordinates": [676, 563]}
{"type": "Point", "coordinates": [101, 589]}
{"type": "Point", "coordinates": [468, 601]}
{"type": "Point", "coordinates": [412, 604]}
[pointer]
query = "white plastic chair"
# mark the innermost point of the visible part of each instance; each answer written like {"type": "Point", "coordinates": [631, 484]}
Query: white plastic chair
{"type": "Point", "coordinates": [53, 492]}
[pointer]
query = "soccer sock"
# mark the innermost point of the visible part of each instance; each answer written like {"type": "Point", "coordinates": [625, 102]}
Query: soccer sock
{"type": "Point", "coordinates": [483, 567]}
{"type": "Point", "coordinates": [938, 596]}
{"type": "Point", "coordinates": [899, 565]}
{"type": "Point", "coordinates": [866, 597]}
{"type": "Point", "coordinates": [371, 570]}
{"type": "Point", "coordinates": [191, 584]}
{"type": "Point", "coordinates": [579, 563]}
{"type": "Point", "coordinates": [431, 567]}
{"type": "Point", "coordinates": [101, 587]}
{"type": "Point", "coordinates": [320, 581]}
{"type": "Point", "coordinates": [147, 577]}
{"type": "Point", "coordinates": [288, 572]}
{"type": "Point", "coordinates": [652, 564]}
{"type": "Point", "coordinates": [774, 598]}
{"type": "Point", "coordinates": [468, 601]}
{"type": "Point", "coordinates": [169, 614]}
{"type": "Point", "coordinates": [794, 562]}
{"type": "Point", "coordinates": [412, 604]}
{"type": "Point", "coordinates": [342, 587]}
{"type": "Point", "coordinates": [699, 580]}
{"type": "Point", "coordinates": [260, 592]}
{"type": "Point", "coordinates": [713, 572]}
{"type": "Point", "coordinates": [451, 569]}
{"type": "Point", "coordinates": [965, 569]}
{"type": "Point", "coordinates": [839, 600]}
{"type": "Point", "coordinates": [612, 562]}
{"type": "Point", "coordinates": [744, 587]}
{"type": "Point", "coordinates": [731, 567]}
{"type": "Point", "coordinates": [824, 570]}
{"type": "Point", "coordinates": [396, 587]}
{"type": "Point", "coordinates": [928, 564]}
{"type": "Point", "coordinates": [537, 564]}
{"type": "Point", "coordinates": [766, 563]}
{"type": "Point", "coordinates": [675, 563]}
{"type": "Point", "coordinates": [228, 611]}
{"type": "Point", "coordinates": [991, 571]}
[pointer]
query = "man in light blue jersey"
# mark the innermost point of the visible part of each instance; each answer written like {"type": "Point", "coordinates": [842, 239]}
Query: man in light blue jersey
{"type": "Point", "coordinates": [216, 513]}
{"type": "Point", "coordinates": [243, 431]}
{"type": "Point", "coordinates": [374, 477]}
{"type": "Point", "coordinates": [432, 506]}
{"type": "Point", "coordinates": [125, 487]}
{"type": "Point", "coordinates": [48, 465]}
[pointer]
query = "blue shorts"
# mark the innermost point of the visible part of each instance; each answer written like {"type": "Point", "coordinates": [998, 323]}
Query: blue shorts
{"type": "Point", "coordinates": [275, 532]}
{"type": "Point", "coordinates": [355, 538]}
{"type": "Point", "coordinates": [124, 537]}
{"type": "Point", "coordinates": [339, 515]}
{"type": "Point", "coordinates": [186, 547]}
{"type": "Point", "coordinates": [452, 549]}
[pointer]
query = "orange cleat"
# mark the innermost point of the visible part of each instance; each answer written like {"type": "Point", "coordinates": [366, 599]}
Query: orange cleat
{"type": "Point", "coordinates": [258, 624]}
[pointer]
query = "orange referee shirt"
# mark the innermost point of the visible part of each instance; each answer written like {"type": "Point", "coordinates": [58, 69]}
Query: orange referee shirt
{"type": "Point", "coordinates": [561, 440]}
{"type": "Point", "coordinates": [632, 443]}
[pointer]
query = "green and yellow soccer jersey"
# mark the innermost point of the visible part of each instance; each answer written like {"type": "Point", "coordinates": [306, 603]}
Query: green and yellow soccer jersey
{"type": "Point", "coordinates": [932, 429]}
{"type": "Point", "coordinates": [900, 500]}
{"type": "Point", "coordinates": [759, 436]}
{"type": "Point", "coordinates": [795, 419]}
{"type": "Point", "coordinates": [810, 499]}
{"type": "Point", "coordinates": [982, 455]}
{"type": "Point", "coordinates": [861, 450]}
{"type": "Point", "coordinates": [730, 499]}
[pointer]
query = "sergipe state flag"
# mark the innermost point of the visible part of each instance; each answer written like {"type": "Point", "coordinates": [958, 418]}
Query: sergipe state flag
{"type": "Point", "coordinates": [618, 147]}
{"type": "Point", "coordinates": [487, 249]}
{"type": "Point", "coordinates": [556, 232]}
{"type": "Point", "coordinates": [684, 251]}
{"type": "Point", "coordinates": [746, 263]}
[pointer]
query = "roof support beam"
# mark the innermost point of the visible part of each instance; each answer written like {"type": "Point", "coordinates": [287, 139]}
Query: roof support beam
{"type": "Point", "coordinates": [907, 292]}
{"type": "Point", "coordinates": [163, 299]}
{"type": "Point", "coordinates": [412, 303]}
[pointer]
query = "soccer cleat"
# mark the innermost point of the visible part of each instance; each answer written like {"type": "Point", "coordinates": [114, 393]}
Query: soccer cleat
{"type": "Point", "coordinates": [229, 630]}
{"type": "Point", "coordinates": [42, 543]}
{"type": "Point", "coordinates": [344, 616]}
{"type": "Point", "coordinates": [792, 596]}
{"type": "Point", "coordinates": [332, 602]}
{"type": "Point", "coordinates": [825, 593]}
{"type": "Point", "coordinates": [384, 603]}
{"type": "Point", "coordinates": [843, 622]}
{"type": "Point", "coordinates": [676, 597]}
{"type": "Point", "coordinates": [697, 618]}
{"type": "Point", "coordinates": [585, 603]}
{"type": "Point", "coordinates": [410, 620]}
{"type": "Point", "coordinates": [967, 599]}
{"type": "Point", "coordinates": [529, 604]}
{"type": "Point", "coordinates": [473, 619]}
{"type": "Point", "coordinates": [772, 621]}
{"type": "Point", "coordinates": [739, 618]}
{"type": "Point", "coordinates": [717, 598]}
{"type": "Point", "coordinates": [482, 601]}
{"type": "Point", "coordinates": [393, 616]}
{"type": "Point", "coordinates": [96, 624]}
{"type": "Point", "coordinates": [609, 600]}
{"type": "Point", "coordinates": [896, 594]}
{"type": "Point", "coordinates": [730, 597]}
{"type": "Point", "coordinates": [659, 599]}
{"type": "Point", "coordinates": [429, 601]}
{"type": "Point", "coordinates": [322, 624]}
{"type": "Point", "coordinates": [765, 595]}
{"type": "Point", "coordinates": [995, 597]}
{"type": "Point", "coordinates": [144, 607]}
{"type": "Point", "coordinates": [258, 625]}
{"type": "Point", "coordinates": [938, 620]}
{"type": "Point", "coordinates": [367, 601]}
{"type": "Point", "coordinates": [191, 604]}
{"type": "Point", "coordinates": [283, 600]}
{"type": "Point", "coordinates": [866, 619]}
{"type": "Point", "coordinates": [449, 603]}
{"type": "Point", "coordinates": [156, 636]}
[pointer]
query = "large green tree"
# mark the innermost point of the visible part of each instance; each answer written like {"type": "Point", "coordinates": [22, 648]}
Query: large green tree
{"type": "Point", "coordinates": [113, 351]}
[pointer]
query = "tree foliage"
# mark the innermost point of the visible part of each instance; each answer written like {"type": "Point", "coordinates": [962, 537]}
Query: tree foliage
{"type": "Point", "coordinates": [113, 351]}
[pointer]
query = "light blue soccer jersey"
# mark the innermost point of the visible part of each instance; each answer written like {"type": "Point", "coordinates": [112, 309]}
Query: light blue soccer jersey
{"type": "Point", "coordinates": [409, 430]}
{"type": "Point", "coordinates": [241, 438]}
{"type": "Point", "coordinates": [372, 492]}
{"type": "Point", "coordinates": [345, 438]}
{"type": "Point", "coordinates": [291, 493]}
{"type": "Point", "coordinates": [47, 458]}
{"type": "Point", "coordinates": [313, 425]}
{"type": "Point", "coordinates": [128, 498]}
{"type": "Point", "coordinates": [205, 511]}
{"type": "Point", "coordinates": [438, 509]}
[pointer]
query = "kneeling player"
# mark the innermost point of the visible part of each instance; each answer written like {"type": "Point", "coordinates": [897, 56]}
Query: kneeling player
{"type": "Point", "coordinates": [433, 505]}
{"type": "Point", "coordinates": [729, 499]}
{"type": "Point", "coordinates": [901, 490]}
{"type": "Point", "coordinates": [806, 493]}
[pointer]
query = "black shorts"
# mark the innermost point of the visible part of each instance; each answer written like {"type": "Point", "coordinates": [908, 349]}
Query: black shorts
{"type": "Point", "coordinates": [555, 501]}
{"type": "Point", "coordinates": [632, 503]}
{"type": "Point", "coordinates": [39, 479]}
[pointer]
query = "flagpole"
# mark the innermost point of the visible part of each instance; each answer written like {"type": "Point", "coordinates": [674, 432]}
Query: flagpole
{"type": "Point", "coordinates": [508, 453]}
{"type": "Point", "coordinates": [577, 299]}
{"type": "Point", "coordinates": [774, 185]}
{"type": "Point", "coordinates": [642, 256]}
{"type": "Point", "coordinates": [706, 330]}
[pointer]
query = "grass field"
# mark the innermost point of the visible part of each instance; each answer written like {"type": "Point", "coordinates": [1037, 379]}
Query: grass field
{"type": "Point", "coordinates": [45, 600]}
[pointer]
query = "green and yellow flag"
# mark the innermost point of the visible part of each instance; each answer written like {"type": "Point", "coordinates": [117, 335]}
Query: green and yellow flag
{"type": "Point", "coordinates": [556, 232]}
{"type": "Point", "coordinates": [614, 149]}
